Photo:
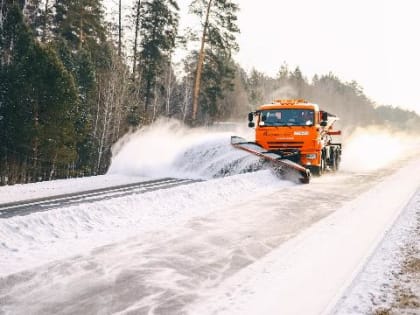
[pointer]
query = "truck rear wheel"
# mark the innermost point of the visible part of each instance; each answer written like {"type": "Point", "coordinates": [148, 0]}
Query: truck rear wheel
{"type": "Point", "coordinates": [335, 161]}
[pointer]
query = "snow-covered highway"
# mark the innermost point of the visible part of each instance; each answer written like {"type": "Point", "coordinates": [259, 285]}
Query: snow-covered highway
{"type": "Point", "coordinates": [243, 244]}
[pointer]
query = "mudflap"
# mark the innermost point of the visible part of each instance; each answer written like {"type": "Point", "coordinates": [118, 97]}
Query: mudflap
{"type": "Point", "coordinates": [284, 168]}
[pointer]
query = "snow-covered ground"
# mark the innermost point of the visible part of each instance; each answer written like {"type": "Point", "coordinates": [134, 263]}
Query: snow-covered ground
{"type": "Point", "coordinates": [376, 286]}
{"type": "Point", "coordinates": [38, 238]}
{"type": "Point", "coordinates": [309, 273]}
{"type": "Point", "coordinates": [243, 244]}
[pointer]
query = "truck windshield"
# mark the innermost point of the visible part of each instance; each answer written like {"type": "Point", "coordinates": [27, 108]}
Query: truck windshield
{"type": "Point", "coordinates": [287, 117]}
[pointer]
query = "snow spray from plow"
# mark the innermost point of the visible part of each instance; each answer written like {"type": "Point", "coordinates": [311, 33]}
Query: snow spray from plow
{"type": "Point", "coordinates": [168, 148]}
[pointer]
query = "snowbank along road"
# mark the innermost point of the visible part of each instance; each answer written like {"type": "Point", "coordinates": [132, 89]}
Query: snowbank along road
{"type": "Point", "coordinates": [26, 207]}
{"type": "Point", "coordinates": [248, 243]}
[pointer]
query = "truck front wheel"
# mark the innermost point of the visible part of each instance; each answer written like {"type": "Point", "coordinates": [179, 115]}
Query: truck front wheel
{"type": "Point", "coordinates": [315, 170]}
{"type": "Point", "coordinates": [318, 170]}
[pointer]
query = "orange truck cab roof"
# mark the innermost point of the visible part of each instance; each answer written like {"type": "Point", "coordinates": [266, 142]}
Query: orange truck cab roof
{"type": "Point", "coordinates": [297, 104]}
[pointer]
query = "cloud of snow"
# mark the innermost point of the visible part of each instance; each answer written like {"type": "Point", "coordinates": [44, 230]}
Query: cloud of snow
{"type": "Point", "coordinates": [169, 148]}
{"type": "Point", "coordinates": [372, 148]}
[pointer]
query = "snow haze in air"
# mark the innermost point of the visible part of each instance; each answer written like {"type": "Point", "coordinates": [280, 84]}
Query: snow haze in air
{"type": "Point", "coordinates": [371, 42]}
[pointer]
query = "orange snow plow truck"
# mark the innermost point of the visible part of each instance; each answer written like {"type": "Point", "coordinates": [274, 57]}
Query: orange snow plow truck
{"type": "Point", "coordinates": [295, 136]}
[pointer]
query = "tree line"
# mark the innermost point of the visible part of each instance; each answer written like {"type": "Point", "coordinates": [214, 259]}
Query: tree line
{"type": "Point", "coordinates": [69, 88]}
{"type": "Point", "coordinates": [71, 85]}
{"type": "Point", "coordinates": [347, 100]}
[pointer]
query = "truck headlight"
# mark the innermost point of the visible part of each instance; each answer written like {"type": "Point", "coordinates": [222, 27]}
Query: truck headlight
{"type": "Point", "coordinates": [311, 156]}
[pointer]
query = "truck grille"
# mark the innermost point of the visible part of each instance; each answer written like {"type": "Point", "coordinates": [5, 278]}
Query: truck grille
{"type": "Point", "coordinates": [285, 145]}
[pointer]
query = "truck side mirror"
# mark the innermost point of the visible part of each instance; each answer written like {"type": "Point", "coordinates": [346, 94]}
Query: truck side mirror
{"type": "Point", "coordinates": [251, 124]}
{"type": "Point", "coordinates": [250, 117]}
{"type": "Point", "coordinates": [324, 119]}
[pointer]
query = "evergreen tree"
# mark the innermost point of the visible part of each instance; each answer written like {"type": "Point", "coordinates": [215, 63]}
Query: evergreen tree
{"type": "Point", "coordinates": [298, 82]}
{"type": "Point", "coordinates": [158, 31]}
{"type": "Point", "coordinates": [235, 103]}
{"type": "Point", "coordinates": [82, 68]}
{"type": "Point", "coordinates": [136, 19]}
{"type": "Point", "coordinates": [218, 41]}
{"type": "Point", "coordinates": [81, 36]}
{"type": "Point", "coordinates": [38, 100]}
{"type": "Point", "coordinates": [217, 79]}
{"type": "Point", "coordinates": [283, 74]}
{"type": "Point", "coordinates": [80, 22]}
{"type": "Point", "coordinates": [32, 12]}
{"type": "Point", "coordinates": [255, 87]}
{"type": "Point", "coordinates": [16, 119]}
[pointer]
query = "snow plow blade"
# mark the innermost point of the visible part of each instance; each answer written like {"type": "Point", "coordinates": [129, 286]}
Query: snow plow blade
{"type": "Point", "coordinates": [285, 168]}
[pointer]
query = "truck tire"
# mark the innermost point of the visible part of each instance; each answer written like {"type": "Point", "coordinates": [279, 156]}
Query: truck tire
{"type": "Point", "coordinates": [315, 170]}
{"type": "Point", "coordinates": [318, 170]}
{"type": "Point", "coordinates": [338, 155]}
{"type": "Point", "coordinates": [334, 161]}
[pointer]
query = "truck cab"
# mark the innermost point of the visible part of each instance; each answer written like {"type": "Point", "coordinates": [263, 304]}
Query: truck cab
{"type": "Point", "coordinates": [299, 131]}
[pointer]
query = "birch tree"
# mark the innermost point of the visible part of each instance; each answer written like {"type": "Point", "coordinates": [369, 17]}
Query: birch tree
{"type": "Point", "coordinates": [113, 94]}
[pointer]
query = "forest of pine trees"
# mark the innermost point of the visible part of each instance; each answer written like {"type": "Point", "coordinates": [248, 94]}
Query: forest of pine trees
{"type": "Point", "coordinates": [71, 85]}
